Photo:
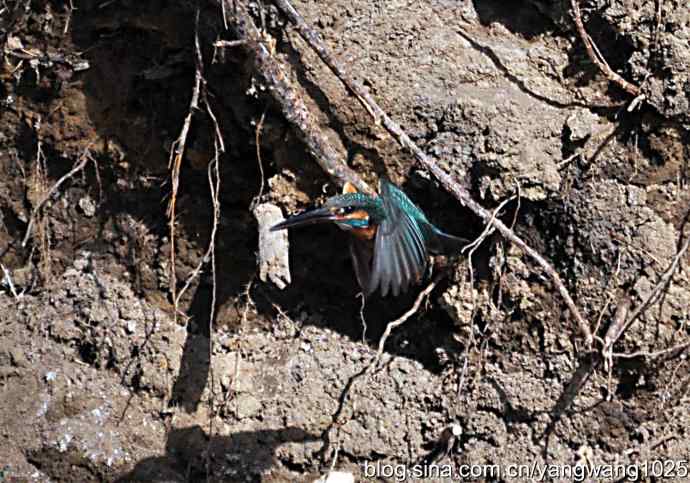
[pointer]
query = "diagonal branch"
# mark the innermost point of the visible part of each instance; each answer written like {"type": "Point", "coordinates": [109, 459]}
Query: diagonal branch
{"type": "Point", "coordinates": [596, 57]}
{"type": "Point", "coordinates": [290, 101]}
{"type": "Point", "coordinates": [448, 182]}
{"type": "Point", "coordinates": [620, 325]}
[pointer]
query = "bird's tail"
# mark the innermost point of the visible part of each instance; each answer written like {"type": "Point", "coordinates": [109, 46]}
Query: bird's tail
{"type": "Point", "coordinates": [441, 243]}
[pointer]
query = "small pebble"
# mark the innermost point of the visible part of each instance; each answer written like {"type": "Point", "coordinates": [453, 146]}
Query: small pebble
{"type": "Point", "coordinates": [88, 206]}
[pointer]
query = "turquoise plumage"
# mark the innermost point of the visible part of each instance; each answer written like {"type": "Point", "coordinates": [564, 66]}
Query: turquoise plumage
{"type": "Point", "coordinates": [392, 237]}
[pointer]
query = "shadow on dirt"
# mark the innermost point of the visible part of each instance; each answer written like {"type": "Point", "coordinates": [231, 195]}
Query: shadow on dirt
{"type": "Point", "coordinates": [189, 450]}
{"type": "Point", "coordinates": [526, 18]}
{"type": "Point", "coordinates": [189, 456]}
{"type": "Point", "coordinates": [523, 17]}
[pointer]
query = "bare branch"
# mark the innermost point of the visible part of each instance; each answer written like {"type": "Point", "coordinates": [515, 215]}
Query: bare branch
{"type": "Point", "coordinates": [596, 57]}
{"type": "Point", "coordinates": [291, 103]}
{"type": "Point", "coordinates": [653, 355]}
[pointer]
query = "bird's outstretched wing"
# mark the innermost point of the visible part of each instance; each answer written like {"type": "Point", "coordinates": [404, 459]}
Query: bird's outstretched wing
{"type": "Point", "coordinates": [400, 254]}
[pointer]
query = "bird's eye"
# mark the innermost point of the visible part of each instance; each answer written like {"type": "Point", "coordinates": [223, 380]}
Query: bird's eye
{"type": "Point", "coordinates": [347, 210]}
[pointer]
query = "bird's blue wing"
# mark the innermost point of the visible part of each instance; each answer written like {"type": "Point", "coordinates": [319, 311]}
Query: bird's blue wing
{"type": "Point", "coordinates": [400, 254]}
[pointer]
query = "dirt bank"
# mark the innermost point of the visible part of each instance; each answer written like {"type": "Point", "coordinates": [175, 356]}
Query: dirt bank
{"type": "Point", "coordinates": [102, 380]}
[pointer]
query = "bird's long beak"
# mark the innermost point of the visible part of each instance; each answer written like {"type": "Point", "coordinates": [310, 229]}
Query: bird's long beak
{"type": "Point", "coordinates": [319, 215]}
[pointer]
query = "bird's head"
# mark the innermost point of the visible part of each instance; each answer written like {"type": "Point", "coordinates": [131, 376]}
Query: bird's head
{"type": "Point", "coordinates": [350, 210]}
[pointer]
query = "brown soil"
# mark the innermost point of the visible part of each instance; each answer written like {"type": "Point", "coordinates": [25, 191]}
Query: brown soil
{"type": "Point", "coordinates": [100, 381]}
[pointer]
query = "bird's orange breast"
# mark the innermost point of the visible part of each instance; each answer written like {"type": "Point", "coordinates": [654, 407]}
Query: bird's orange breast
{"type": "Point", "coordinates": [367, 233]}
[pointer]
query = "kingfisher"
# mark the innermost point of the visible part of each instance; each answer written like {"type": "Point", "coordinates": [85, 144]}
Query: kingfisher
{"type": "Point", "coordinates": [391, 237]}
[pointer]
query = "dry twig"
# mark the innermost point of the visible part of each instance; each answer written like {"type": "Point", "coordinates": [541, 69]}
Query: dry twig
{"type": "Point", "coordinates": [617, 330]}
{"type": "Point", "coordinates": [259, 161]}
{"type": "Point", "coordinates": [596, 57]}
{"type": "Point", "coordinates": [611, 295]}
{"type": "Point", "coordinates": [70, 10]}
{"type": "Point", "coordinates": [177, 153]}
{"type": "Point", "coordinates": [653, 355]}
{"type": "Point", "coordinates": [362, 318]}
{"type": "Point", "coordinates": [316, 42]}
{"type": "Point", "coordinates": [214, 185]}
{"type": "Point", "coordinates": [7, 280]}
{"type": "Point", "coordinates": [612, 334]}
{"type": "Point", "coordinates": [214, 180]}
{"type": "Point", "coordinates": [617, 326]}
{"type": "Point", "coordinates": [83, 160]}
{"type": "Point", "coordinates": [402, 319]}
